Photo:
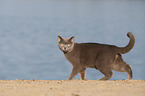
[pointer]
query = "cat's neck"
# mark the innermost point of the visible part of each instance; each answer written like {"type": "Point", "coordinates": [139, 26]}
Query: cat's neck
{"type": "Point", "coordinates": [74, 55]}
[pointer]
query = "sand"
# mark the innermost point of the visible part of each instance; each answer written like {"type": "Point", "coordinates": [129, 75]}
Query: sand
{"type": "Point", "coordinates": [72, 88]}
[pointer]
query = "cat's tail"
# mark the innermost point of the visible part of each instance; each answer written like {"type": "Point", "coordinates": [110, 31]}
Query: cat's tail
{"type": "Point", "coordinates": [123, 50]}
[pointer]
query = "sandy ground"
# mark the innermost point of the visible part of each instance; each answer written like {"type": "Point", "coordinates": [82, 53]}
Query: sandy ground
{"type": "Point", "coordinates": [72, 88]}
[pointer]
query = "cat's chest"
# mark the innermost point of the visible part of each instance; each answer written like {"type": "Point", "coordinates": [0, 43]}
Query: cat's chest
{"type": "Point", "coordinates": [72, 58]}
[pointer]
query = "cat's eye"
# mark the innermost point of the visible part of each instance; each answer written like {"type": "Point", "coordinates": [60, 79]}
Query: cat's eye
{"type": "Point", "coordinates": [61, 44]}
{"type": "Point", "coordinates": [68, 45]}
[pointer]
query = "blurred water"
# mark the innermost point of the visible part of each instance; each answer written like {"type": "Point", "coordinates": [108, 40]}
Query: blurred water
{"type": "Point", "coordinates": [29, 29]}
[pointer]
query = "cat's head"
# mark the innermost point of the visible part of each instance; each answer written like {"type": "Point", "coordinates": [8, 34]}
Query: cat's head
{"type": "Point", "coordinates": [66, 44]}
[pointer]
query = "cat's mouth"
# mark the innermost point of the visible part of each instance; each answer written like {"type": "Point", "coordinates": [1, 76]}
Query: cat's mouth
{"type": "Point", "coordinates": [65, 51]}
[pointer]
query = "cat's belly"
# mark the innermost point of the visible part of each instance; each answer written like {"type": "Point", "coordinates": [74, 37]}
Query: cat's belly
{"type": "Point", "coordinates": [88, 58]}
{"type": "Point", "coordinates": [89, 66]}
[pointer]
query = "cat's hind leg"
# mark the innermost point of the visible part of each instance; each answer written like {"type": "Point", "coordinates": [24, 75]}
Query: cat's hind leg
{"type": "Point", "coordinates": [105, 70]}
{"type": "Point", "coordinates": [83, 74]}
{"type": "Point", "coordinates": [107, 74]}
{"type": "Point", "coordinates": [125, 68]}
{"type": "Point", "coordinates": [129, 71]}
{"type": "Point", "coordinates": [121, 66]}
{"type": "Point", "coordinates": [103, 64]}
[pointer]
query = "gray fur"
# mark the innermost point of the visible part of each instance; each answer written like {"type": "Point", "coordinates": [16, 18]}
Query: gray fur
{"type": "Point", "coordinates": [103, 57]}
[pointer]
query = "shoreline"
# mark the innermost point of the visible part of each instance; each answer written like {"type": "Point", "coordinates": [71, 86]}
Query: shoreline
{"type": "Point", "coordinates": [72, 88]}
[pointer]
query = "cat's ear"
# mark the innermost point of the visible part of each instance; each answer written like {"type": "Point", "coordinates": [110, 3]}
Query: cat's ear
{"type": "Point", "coordinates": [59, 38]}
{"type": "Point", "coordinates": [72, 39]}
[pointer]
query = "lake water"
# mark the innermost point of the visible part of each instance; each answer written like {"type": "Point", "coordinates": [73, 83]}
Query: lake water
{"type": "Point", "coordinates": [29, 29]}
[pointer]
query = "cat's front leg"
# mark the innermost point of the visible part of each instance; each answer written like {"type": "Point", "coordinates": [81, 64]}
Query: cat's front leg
{"type": "Point", "coordinates": [74, 72]}
{"type": "Point", "coordinates": [83, 74]}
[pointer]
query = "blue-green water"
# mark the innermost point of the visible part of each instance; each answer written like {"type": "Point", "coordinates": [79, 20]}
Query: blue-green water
{"type": "Point", "coordinates": [29, 29]}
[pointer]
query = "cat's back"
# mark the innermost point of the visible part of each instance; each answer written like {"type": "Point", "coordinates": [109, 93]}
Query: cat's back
{"type": "Point", "coordinates": [96, 47]}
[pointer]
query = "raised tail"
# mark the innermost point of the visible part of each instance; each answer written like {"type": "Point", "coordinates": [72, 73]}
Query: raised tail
{"type": "Point", "coordinates": [123, 50]}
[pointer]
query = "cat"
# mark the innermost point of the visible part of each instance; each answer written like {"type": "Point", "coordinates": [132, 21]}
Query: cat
{"type": "Point", "coordinates": [103, 57]}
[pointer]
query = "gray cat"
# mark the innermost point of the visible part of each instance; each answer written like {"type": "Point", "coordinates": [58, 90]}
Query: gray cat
{"type": "Point", "coordinates": [103, 57]}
